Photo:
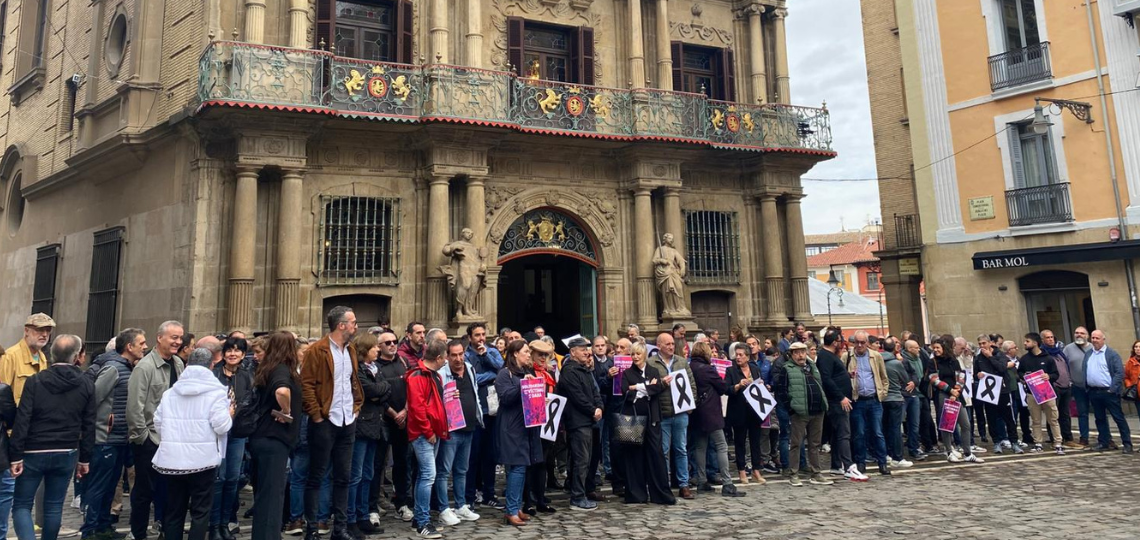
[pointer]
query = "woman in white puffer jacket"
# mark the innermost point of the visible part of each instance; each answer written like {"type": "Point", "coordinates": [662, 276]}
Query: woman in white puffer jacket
{"type": "Point", "coordinates": [192, 419]}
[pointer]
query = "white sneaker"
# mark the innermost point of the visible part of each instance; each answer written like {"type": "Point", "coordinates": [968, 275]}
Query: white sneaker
{"type": "Point", "coordinates": [854, 475]}
{"type": "Point", "coordinates": [1006, 444]}
{"type": "Point", "coordinates": [900, 464]}
{"type": "Point", "coordinates": [374, 519]}
{"type": "Point", "coordinates": [448, 518]}
{"type": "Point", "coordinates": [973, 458]}
{"type": "Point", "coordinates": [836, 472]}
{"type": "Point", "coordinates": [954, 457]}
{"type": "Point", "coordinates": [464, 513]}
{"type": "Point", "coordinates": [977, 450]}
{"type": "Point", "coordinates": [826, 448]}
{"type": "Point", "coordinates": [405, 513]}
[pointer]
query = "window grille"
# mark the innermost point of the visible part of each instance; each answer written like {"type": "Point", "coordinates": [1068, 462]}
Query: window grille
{"type": "Point", "coordinates": [43, 290]}
{"type": "Point", "coordinates": [712, 241]}
{"type": "Point", "coordinates": [359, 241]}
{"type": "Point", "coordinates": [103, 300]}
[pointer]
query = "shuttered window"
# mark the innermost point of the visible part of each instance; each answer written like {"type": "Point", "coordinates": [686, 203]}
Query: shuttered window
{"type": "Point", "coordinates": [374, 30]}
{"type": "Point", "coordinates": [551, 52]}
{"type": "Point", "coordinates": [43, 290]}
{"type": "Point", "coordinates": [359, 241]}
{"type": "Point", "coordinates": [103, 299]}
{"type": "Point", "coordinates": [1032, 156]}
{"type": "Point", "coordinates": [704, 70]}
{"type": "Point", "coordinates": [712, 245]}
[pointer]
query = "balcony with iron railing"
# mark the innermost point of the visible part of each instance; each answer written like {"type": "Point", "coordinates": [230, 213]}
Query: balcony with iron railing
{"type": "Point", "coordinates": [906, 231]}
{"type": "Point", "coordinates": [1039, 204]}
{"type": "Point", "coordinates": [265, 77]}
{"type": "Point", "coordinates": [1022, 66]}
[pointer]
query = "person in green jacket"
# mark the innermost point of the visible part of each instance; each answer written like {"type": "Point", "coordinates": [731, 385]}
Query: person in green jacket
{"type": "Point", "coordinates": [802, 391]}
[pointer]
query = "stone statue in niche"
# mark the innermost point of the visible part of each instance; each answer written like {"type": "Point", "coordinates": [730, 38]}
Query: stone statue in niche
{"type": "Point", "coordinates": [466, 273]}
{"type": "Point", "coordinates": [669, 269]}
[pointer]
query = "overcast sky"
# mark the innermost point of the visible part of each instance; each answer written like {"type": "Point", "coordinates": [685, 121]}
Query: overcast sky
{"type": "Point", "coordinates": [825, 52]}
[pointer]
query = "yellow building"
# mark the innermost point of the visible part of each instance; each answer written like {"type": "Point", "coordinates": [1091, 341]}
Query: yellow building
{"type": "Point", "coordinates": [1022, 209]}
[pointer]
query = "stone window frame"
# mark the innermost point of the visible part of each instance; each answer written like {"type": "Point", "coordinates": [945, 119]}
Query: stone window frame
{"type": "Point", "coordinates": [114, 67]}
{"type": "Point", "coordinates": [31, 49]}
{"type": "Point", "coordinates": [18, 169]}
{"type": "Point", "coordinates": [389, 273]}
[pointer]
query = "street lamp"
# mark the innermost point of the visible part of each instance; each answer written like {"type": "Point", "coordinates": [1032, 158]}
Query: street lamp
{"type": "Point", "coordinates": [833, 282]}
{"type": "Point", "coordinates": [1041, 124]}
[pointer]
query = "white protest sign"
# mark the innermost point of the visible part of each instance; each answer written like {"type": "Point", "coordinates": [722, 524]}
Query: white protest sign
{"type": "Point", "coordinates": [683, 399]}
{"type": "Point", "coordinates": [566, 341]}
{"type": "Point", "coordinates": [1023, 392]}
{"type": "Point", "coordinates": [555, 404]}
{"type": "Point", "coordinates": [989, 388]}
{"type": "Point", "coordinates": [760, 399]}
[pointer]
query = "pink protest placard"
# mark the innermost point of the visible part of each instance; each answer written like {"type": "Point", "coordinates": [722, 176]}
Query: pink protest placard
{"type": "Point", "coordinates": [622, 363]}
{"type": "Point", "coordinates": [949, 419]}
{"type": "Point", "coordinates": [453, 407]}
{"type": "Point", "coordinates": [1041, 389]}
{"type": "Point", "coordinates": [721, 365]}
{"type": "Point", "coordinates": [534, 402]}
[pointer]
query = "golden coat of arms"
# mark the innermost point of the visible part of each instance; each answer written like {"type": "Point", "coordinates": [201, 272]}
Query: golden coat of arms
{"type": "Point", "coordinates": [546, 230]}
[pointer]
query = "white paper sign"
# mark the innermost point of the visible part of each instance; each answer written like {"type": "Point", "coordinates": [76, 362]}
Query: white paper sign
{"type": "Point", "coordinates": [566, 341]}
{"type": "Point", "coordinates": [1024, 391]}
{"type": "Point", "coordinates": [989, 388]}
{"type": "Point", "coordinates": [555, 404]}
{"type": "Point", "coordinates": [760, 399]}
{"type": "Point", "coordinates": [683, 398]}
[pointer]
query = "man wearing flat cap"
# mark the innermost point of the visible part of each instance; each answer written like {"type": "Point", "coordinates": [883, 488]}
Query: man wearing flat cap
{"type": "Point", "coordinates": [584, 407]}
{"type": "Point", "coordinates": [26, 358]}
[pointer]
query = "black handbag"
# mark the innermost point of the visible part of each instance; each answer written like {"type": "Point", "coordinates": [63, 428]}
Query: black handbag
{"type": "Point", "coordinates": [630, 428]}
{"type": "Point", "coordinates": [1131, 394]}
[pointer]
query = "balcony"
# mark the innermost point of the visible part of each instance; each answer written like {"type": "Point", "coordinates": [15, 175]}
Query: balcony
{"type": "Point", "coordinates": [1039, 204]}
{"type": "Point", "coordinates": [257, 76]}
{"type": "Point", "coordinates": [906, 231]}
{"type": "Point", "coordinates": [1020, 66]}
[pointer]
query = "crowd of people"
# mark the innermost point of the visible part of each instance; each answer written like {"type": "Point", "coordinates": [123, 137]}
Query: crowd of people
{"type": "Point", "coordinates": [316, 427]}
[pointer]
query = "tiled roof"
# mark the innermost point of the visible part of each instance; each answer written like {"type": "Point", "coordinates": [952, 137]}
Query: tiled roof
{"type": "Point", "coordinates": [833, 238]}
{"type": "Point", "coordinates": [854, 252]}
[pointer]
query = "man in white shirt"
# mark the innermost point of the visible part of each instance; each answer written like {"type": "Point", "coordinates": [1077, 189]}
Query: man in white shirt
{"type": "Point", "coordinates": [1104, 378]}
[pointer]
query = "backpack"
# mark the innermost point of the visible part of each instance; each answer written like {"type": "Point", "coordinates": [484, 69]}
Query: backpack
{"type": "Point", "coordinates": [247, 414]}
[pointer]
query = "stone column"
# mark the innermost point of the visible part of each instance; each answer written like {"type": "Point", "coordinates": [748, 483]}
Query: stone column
{"type": "Point", "coordinates": [439, 33]}
{"type": "Point", "coordinates": [299, 24]}
{"type": "Point", "coordinates": [437, 233]}
{"type": "Point", "coordinates": [255, 21]}
{"type": "Point", "coordinates": [476, 209]}
{"type": "Point", "coordinates": [797, 257]}
{"type": "Point", "coordinates": [289, 249]}
{"type": "Point", "coordinates": [783, 87]}
{"type": "Point", "coordinates": [242, 233]}
{"type": "Point", "coordinates": [474, 34]}
{"type": "Point", "coordinates": [636, 48]}
{"type": "Point", "coordinates": [752, 219]}
{"type": "Point", "coordinates": [646, 293]}
{"type": "Point", "coordinates": [674, 220]}
{"type": "Point", "coordinates": [664, 52]}
{"type": "Point", "coordinates": [756, 52]}
{"type": "Point", "coordinates": [773, 258]}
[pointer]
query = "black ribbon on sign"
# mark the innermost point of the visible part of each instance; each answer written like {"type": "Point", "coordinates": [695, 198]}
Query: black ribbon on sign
{"type": "Point", "coordinates": [990, 384]}
{"type": "Point", "coordinates": [682, 391]}
{"type": "Point", "coordinates": [757, 395]}
{"type": "Point", "coordinates": [551, 409]}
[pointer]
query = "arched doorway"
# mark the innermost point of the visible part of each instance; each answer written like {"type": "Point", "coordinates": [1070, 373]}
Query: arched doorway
{"type": "Point", "coordinates": [1057, 300]}
{"type": "Point", "coordinates": [549, 275]}
{"type": "Point", "coordinates": [370, 309]}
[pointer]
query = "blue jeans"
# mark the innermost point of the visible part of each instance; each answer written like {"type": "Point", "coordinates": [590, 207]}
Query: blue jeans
{"type": "Point", "coordinates": [1081, 396]}
{"type": "Point", "coordinates": [425, 458]}
{"type": "Point", "coordinates": [226, 484]}
{"type": "Point", "coordinates": [107, 462]}
{"type": "Point", "coordinates": [54, 471]}
{"type": "Point", "coordinates": [453, 460]}
{"type": "Point", "coordinates": [868, 413]}
{"type": "Point", "coordinates": [516, 480]}
{"type": "Point", "coordinates": [784, 419]}
{"type": "Point", "coordinates": [363, 467]}
{"type": "Point", "coordinates": [675, 438]}
{"type": "Point", "coordinates": [606, 463]}
{"type": "Point", "coordinates": [298, 475]}
{"type": "Point", "coordinates": [7, 489]}
{"type": "Point", "coordinates": [913, 418]}
{"type": "Point", "coordinates": [894, 412]}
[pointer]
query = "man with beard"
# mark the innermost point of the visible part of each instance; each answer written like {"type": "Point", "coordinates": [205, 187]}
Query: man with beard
{"type": "Point", "coordinates": [1075, 354]}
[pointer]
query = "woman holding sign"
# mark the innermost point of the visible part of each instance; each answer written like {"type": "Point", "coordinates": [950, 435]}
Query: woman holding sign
{"type": "Point", "coordinates": [946, 382]}
{"type": "Point", "coordinates": [519, 446]}
{"type": "Point", "coordinates": [647, 479]}
{"type": "Point", "coordinates": [708, 420]}
{"type": "Point", "coordinates": [742, 417]}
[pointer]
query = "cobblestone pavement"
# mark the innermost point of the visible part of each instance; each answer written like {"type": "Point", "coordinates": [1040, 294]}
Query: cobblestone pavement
{"type": "Point", "coordinates": [1023, 497]}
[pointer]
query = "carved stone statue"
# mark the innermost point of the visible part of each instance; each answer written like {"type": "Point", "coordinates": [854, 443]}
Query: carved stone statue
{"type": "Point", "coordinates": [669, 269]}
{"type": "Point", "coordinates": [466, 272]}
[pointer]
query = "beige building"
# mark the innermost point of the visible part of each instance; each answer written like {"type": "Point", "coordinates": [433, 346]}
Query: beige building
{"type": "Point", "coordinates": [248, 165]}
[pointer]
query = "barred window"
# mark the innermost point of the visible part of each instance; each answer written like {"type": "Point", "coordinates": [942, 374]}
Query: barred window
{"type": "Point", "coordinates": [43, 290]}
{"type": "Point", "coordinates": [712, 241]}
{"type": "Point", "coordinates": [103, 300]}
{"type": "Point", "coordinates": [359, 241]}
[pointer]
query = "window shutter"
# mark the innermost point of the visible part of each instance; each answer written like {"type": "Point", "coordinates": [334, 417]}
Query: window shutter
{"type": "Point", "coordinates": [728, 76]}
{"type": "Point", "coordinates": [676, 50]}
{"type": "Point", "coordinates": [515, 44]}
{"type": "Point", "coordinates": [404, 25]}
{"type": "Point", "coordinates": [1015, 156]}
{"type": "Point", "coordinates": [585, 50]}
{"type": "Point", "coordinates": [326, 24]}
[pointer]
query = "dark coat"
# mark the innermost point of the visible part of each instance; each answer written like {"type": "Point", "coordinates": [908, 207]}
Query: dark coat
{"type": "Point", "coordinates": [740, 412]}
{"type": "Point", "coordinates": [56, 412]}
{"type": "Point", "coordinates": [707, 416]}
{"type": "Point", "coordinates": [651, 406]}
{"type": "Point", "coordinates": [582, 396]}
{"type": "Point", "coordinates": [7, 420]}
{"type": "Point", "coordinates": [518, 444]}
{"type": "Point", "coordinates": [370, 424]}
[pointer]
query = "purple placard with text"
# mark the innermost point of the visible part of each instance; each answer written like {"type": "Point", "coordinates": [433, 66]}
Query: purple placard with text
{"type": "Point", "coordinates": [1040, 387]}
{"type": "Point", "coordinates": [453, 407]}
{"type": "Point", "coordinates": [721, 365]}
{"type": "Point", "coordinates": [534, 402]}
{"type": "Point", "coordinates": [622, 363]}
{"type": "Point", "coordinates": [949, 419]}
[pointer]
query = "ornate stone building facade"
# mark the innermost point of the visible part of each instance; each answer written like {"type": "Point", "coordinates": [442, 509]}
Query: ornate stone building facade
{"type": "Point", "coordinates": [249, 164]}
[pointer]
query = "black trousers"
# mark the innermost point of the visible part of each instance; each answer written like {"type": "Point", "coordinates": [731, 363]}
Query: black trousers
{"type": "Point", "coordinates": [647, 478]}
{"type": "Point", "coordinates": [747, 438]}
{"type": "Point", "coordinates": [1023, 417]}
{"type": "Point", "coordinates": [927, 432]}
{"type": "Point", "coordinates": [617, 464]}
{"type": "Point", "coordinates": [1001, 421]}
{"type": "Point", "coordinates": [979, 419]}
{"type": "Point", "coordinates": [580, 440]}
{"type": "Point", "coordinates": [1064, 396]}
{"type": "Point", "coordinates": [271, 457]}
{"type": "Point", "coordinates": [396, 440]}
{"type": "Point", "coordinates": [193, 492]}
{"type": "Point", "coordinates": [143, 492]}
{"type": "Point", "coordinates": [329, 445]}
{"type": "Point", "coordinates": [840, 436]}
{"type": "Point", "coordinates": [534, 492]}
{"type": "Point", "coordinates": [595, 460]}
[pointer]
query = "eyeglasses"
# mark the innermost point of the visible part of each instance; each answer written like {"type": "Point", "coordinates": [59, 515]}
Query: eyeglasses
{"type": "Point", "coordinates": [389, 342]}
{"type": "Point", "coordinates": [857, 342]}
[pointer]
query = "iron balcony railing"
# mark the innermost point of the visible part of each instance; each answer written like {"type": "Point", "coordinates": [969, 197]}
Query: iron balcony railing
{"type": "Point", "coordinates": [906, 231]}
{"type": "Point", "coordinates": [261, 76]}
{"type": "Point", "coordinates": [1039, 204]}
{"type": "Point", "coordinates": [1020, 66]}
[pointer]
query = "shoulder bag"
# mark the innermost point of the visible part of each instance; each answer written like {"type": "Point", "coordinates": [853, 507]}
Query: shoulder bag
{"type": "Point", "coordinates": [630, 428]}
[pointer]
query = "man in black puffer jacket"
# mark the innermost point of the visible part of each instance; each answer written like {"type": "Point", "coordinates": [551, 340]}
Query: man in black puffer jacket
{"type": "Point", "coordinates": [577, 383]}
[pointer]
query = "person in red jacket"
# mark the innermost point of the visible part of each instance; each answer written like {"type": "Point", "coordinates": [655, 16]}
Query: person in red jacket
{"type": "Point", "coordinates": [427, 425]}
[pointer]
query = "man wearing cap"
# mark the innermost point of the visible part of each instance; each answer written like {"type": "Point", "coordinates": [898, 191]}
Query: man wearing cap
{"type": "Point", "coordinates": [584, 407]}
{"type": "Point", "coordinates": [26, 357]}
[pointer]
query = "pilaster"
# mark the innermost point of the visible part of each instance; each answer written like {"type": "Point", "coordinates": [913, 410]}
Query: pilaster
{"type": "Point", "coordinates": [783, 83]}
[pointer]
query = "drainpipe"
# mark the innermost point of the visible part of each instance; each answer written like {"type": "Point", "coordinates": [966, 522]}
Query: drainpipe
{"type": "Point", "coordinates": [1128, 272]}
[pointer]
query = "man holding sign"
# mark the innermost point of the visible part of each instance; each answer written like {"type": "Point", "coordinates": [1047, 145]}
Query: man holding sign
{"type": "Point", "coordinates": [674, 412]}
{"type": "Point", "coordinates": [994, 384]}
{"type": "Point", "coordinates": [1036, 360]}
{"type": "Point", "coordinates": [464, 415]}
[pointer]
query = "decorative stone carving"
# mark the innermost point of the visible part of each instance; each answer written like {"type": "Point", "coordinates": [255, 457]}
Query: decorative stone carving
{"type": "Point", "coordinates": [496, 196]}
{"type": "Point", "coordinates": [669, 269]}
{"type": "Point", "coordinates": [466, 273]}
{"type": "Point", "coordinates": [579, 205]}
{"type": "Point", "coordinates": [700, 32]}
{"type": "Point", "coordinates": [569, 12]}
